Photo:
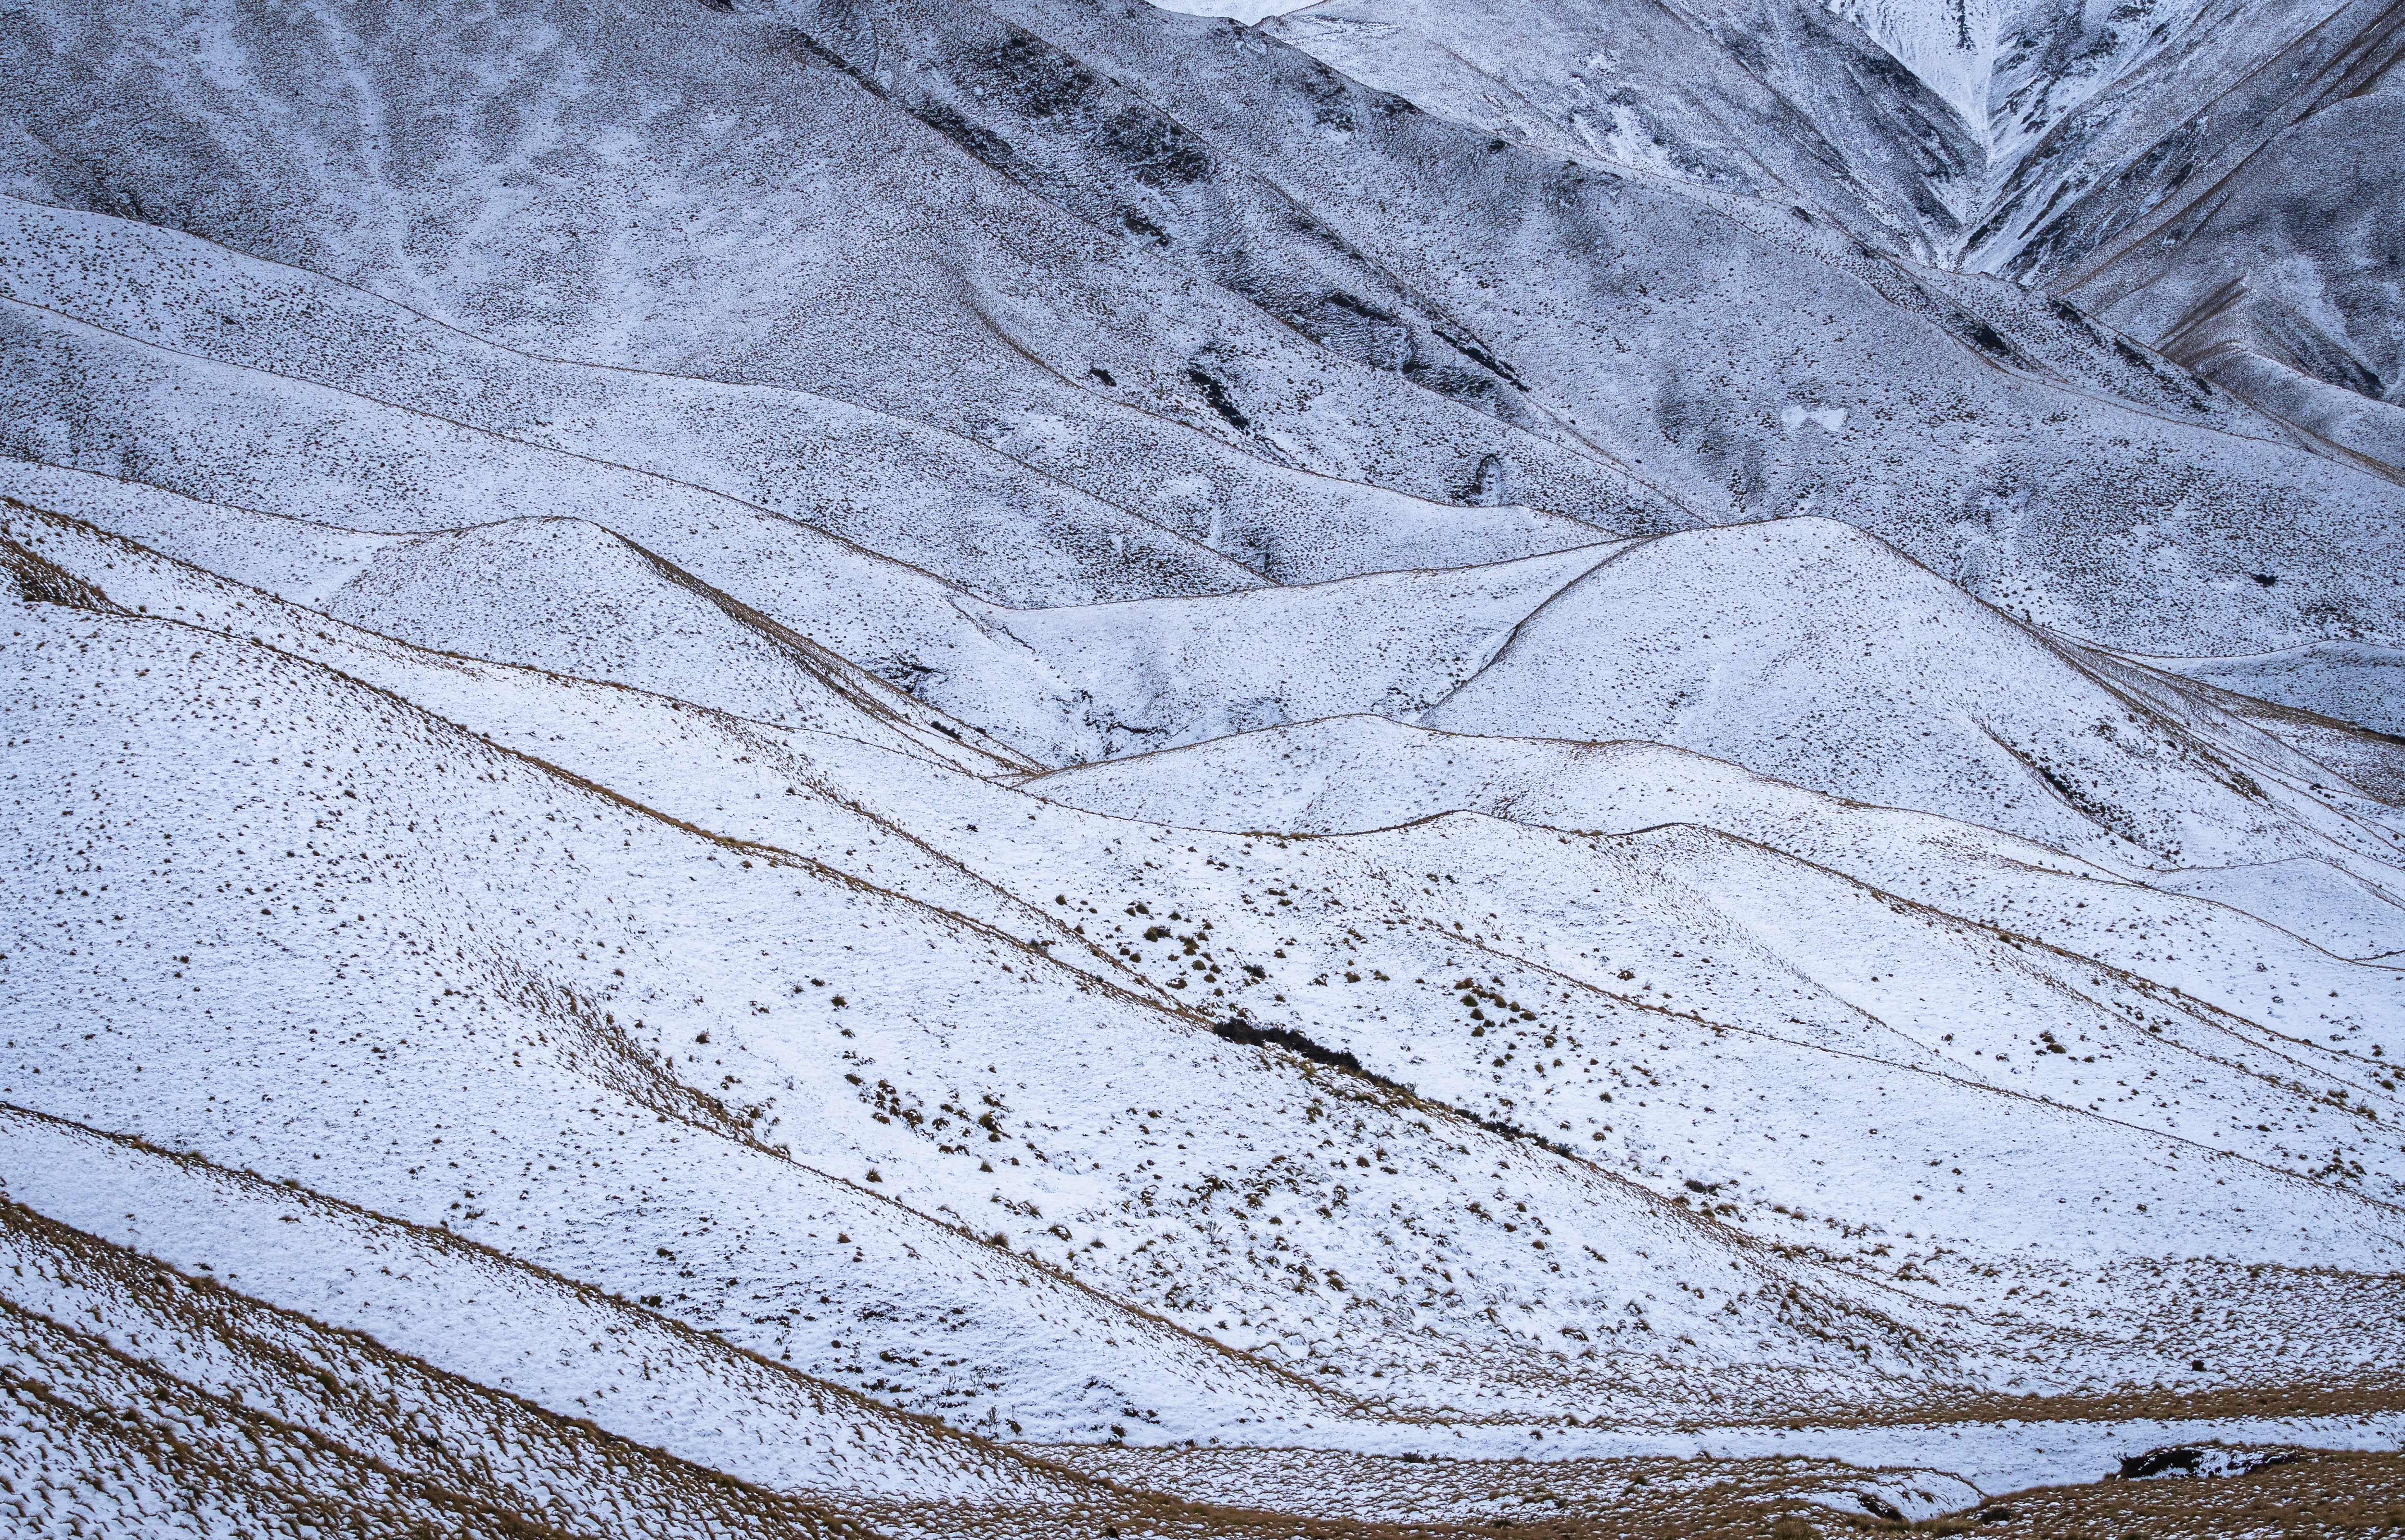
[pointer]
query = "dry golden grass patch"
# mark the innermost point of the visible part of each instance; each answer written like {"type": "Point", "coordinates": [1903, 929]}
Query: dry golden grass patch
{"type": "Point", "coordinates": [2307, 1495]}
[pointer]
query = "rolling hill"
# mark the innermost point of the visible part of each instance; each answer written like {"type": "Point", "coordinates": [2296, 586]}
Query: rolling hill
{"type": "Point", "coordinates": [1050, 768]}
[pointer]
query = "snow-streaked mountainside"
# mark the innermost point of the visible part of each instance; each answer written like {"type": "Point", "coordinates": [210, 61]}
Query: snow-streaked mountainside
{"type": "Point", "coordinates": [874, 768]}
{"type": "Point", "coordinates": [2215, 182]}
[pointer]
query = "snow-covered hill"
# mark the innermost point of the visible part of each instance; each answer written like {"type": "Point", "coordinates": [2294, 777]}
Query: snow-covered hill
{"type": "Point", "coordinates": [1048, 769]}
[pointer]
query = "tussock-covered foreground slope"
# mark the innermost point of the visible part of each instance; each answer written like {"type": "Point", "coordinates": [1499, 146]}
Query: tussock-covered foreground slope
{"type": "Point", "coordinates": [878, 769]}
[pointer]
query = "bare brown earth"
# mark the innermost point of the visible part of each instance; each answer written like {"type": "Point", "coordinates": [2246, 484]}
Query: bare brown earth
{"type": "Point", "coordinates": [2313, 1492]}
{"type": "Point", "coordinates": [2304, 1493]}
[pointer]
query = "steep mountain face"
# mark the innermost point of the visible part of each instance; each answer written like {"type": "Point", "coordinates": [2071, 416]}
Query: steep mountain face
{"type": "Point", "coordinates": [1777, 103]}
{"type": "Point", "coordinates": [2214, 182]}
{"type": "Point", "coordinates": [1042, 768]}
{"type": "Point", "coordinates": [2218, 181]}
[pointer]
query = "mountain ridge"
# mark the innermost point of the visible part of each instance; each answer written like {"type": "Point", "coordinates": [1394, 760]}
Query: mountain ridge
{"type": "Point", "coordinates": [1413, 770]}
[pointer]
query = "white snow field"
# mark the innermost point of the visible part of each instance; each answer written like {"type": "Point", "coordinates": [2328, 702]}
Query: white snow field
{"type": "Point", "coordinates": [1054, 768]}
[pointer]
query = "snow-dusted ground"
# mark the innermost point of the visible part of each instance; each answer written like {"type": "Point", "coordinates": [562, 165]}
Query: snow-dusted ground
{"type": "Point", "coordinates": [1979, 1458]}
{"type": "Point", "coordinates": [919, 752]}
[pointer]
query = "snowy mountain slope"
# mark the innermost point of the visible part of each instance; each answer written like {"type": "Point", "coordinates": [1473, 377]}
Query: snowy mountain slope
{"type": "Point", "coordinates": [91, 399]}
{"type": "Point", "coordinates": [1102, 151]}
{"type": "Point", "coordinates": [2273, 282]}
{"type": "Point", "coordinates": [699, 768]}
{"type": "Point", "coordinates": [706, 785]}
{"type": "Point", "coordinates": [1937, 463]}
{"type": "Point", "coordinates": [704, 802]}
{"type": "Point", "coordinates": [1490, 68]}
{"type": "Point", "coordinates": [904, 622]}
{"type": "Point", "coordinates": [1422, 1035]}
{"type": "Point", "coordinates": [926, 1177]}
{"type": "Point", "coordinates": [689, 762]}
{"type": "Point", "coordinates": [2262, 353]}
{"type": "Point", "coordinates": [762, 1050]}
{"type": "Point", "coordinates": [1357, 1033]}
{"type": "Point", "coordinates": [1589, 285]}
{"type": "Point", "coordinates": [1775, 102]}
{"type": "Point", "coordinates": [2247, 241]}
{"type": "Point", "coordinates": [2293, 679]}
{"type": "Point", "coordinates": [107, 1443]}
{"type": "Point", "coordinates": [1157, 674]}
{"type": "Point", "coordinates": [1875, 680]}
{"type": "Point", "coordinates": [1682, 888]}
{"type": "Point", "coordinates": [559, 1065]}
{"type": "Point", "coordinates": [850, 757]}
{"type": "Point", "coordinates": [623, 615]}
{"type": "Point", "coordinates": [1351, 773]}
{"type": "Point", "coordinates": [2111, 128]}
{"type": "Point", "coordinates": [411, 1291]}
{"type": "Point", "coordinates": [1891, 687]}
{"type": "Point", "coordinates": [2034, 78]}
{"type": "Point", "coordinates": [976, 517]}
{"type": "Point", "coordinates": [586, 1443]}
{"type": "Point", "coordinates": [905, 1171]}
{"type": "Point", "coordinates": [2303, 745]}
{"type": "Point", "coordinates": [2066, 130]}
{"type": "Point", "coordinates": [1256, 780]}
{"type": "Point", "coordinates": [883, 266]}
{"type": "Point", "coordinates": [269, 552]}
{"type": "Point", "coordinates": [2241, 235]}
{"type": "Point", "coordinates": [2214, 179]}
{"type": "Point", "coordinates": [2226, 964]}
